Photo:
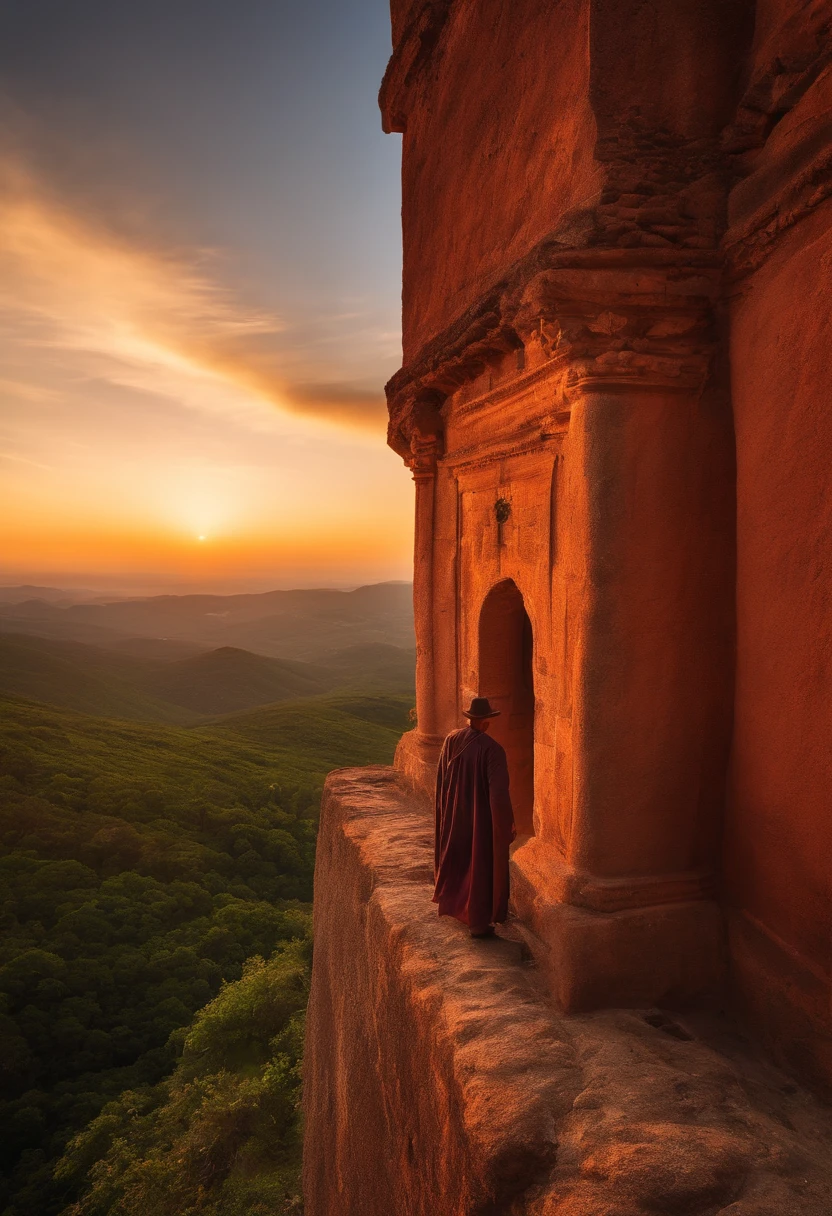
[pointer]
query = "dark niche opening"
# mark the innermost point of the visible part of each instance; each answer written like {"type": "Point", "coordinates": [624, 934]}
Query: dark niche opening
{"type": "Point", "coordinates": [506, 649]}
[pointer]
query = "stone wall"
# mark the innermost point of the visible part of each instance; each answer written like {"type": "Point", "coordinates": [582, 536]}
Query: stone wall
{"type": "Point", "coordinates": [616, 322]}
{"type": "Point", "coordinates": [514, 125]}
{"type": "Point", "coordinates": [777, 252]}
{"type": "Point", "coordinates": [779, 830]}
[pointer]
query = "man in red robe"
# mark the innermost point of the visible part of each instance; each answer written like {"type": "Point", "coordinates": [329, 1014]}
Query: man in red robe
{"type": "Point", "coordinates": [474, 824]}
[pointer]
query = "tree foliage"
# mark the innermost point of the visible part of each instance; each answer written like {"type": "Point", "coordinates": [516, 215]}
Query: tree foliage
{"type": "Point", "coordinates": [140, 868]}
{"type": "Point", "coordinates": [221, 1136]}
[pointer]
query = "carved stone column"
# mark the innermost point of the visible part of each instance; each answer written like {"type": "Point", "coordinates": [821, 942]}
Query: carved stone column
{"type": "Point", "coordinates": [446, 705]}
{"type": "Point", "coordinates": [418, 751]}
{"type": "Point", "coordinates": [423, 466]}
{"type": "Point", "coordinates": [625, 904]}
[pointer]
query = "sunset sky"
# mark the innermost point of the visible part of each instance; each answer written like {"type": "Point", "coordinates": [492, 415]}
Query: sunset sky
{"type": "Point", "coordinates": [199, 287]}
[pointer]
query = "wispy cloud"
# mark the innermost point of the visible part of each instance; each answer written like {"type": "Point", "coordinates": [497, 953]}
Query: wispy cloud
{"type": "Point", "coordinates": [14, 458]}
{"type": "Point", "coordinates": [150, 319]}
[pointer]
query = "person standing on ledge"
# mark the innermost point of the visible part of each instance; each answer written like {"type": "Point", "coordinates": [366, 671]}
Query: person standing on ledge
{"type": "Point", "coordinates": [474, 824]}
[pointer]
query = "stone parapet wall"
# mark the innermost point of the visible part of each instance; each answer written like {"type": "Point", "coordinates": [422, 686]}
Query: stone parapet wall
{"type": "Point", "coordinates": [440, 1081]}
{"type": "Point", "coordinates": [432, 1082]}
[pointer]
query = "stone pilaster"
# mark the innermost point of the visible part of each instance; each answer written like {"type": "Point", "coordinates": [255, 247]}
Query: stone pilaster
{"type": "Point", "coordinates": [418, 750]}
{"type": "Point", "coordinates": [445, 601]}
{"type": "Point", "coordinates": [624, 903]}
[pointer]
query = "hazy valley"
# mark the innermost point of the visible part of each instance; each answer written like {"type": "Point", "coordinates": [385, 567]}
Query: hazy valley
{"type": "Point", "coordinates": [302, 625]}
{"type": "Point", "coordinates": [159, 792]}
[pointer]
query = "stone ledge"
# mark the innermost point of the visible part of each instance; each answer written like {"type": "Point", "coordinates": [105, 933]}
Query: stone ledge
{"type": "Point", "coordinates": [441, 1082]}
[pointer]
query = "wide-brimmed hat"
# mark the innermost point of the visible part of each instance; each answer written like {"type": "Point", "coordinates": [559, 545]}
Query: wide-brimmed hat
{"type": "Point", "coordinates": [480, 707]}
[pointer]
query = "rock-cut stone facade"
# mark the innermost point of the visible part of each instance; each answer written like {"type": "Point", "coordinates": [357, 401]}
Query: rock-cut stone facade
{"type": "Point", "coordinates": [614, 403]}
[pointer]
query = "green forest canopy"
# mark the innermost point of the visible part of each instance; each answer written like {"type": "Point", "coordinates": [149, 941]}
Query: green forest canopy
{"type": "Point", "coordinates": [141, 866]}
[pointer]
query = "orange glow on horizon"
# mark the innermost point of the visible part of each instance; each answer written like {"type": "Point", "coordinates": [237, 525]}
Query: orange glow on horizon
{"type": "Point", "coordinates": [308, 550]}
{"type": "Point", "coordinates": [150, 425]}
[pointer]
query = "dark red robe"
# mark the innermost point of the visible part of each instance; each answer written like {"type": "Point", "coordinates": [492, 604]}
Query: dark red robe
{"type": "Point", "coordinates": [474, 828]}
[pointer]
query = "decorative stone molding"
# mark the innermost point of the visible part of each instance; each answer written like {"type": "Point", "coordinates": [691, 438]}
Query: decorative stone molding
{"type": "Point", "coordinates": [424, 453]}
{"type": "Point", "coordinates": [623, 328]}
{"type": "Point", "coordinates": [598, 320]}
{"type": "Point", "coordinates": [487, 331]}
{"type": "Point", "coordinates": [426, 433]}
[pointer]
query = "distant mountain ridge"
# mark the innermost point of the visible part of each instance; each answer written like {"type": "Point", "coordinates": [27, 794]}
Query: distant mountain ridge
{"type": "Point", "coordinates": [295, 625]}
{"type": "Point", "coordinates": [52, 595]}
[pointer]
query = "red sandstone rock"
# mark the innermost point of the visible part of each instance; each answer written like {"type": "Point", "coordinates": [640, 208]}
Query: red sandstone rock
{"type": "Point", "coordinates": [441, 1081]}
{"type": "Point", "coordinates": [666, 165]}
{"type": "Point", "coordinates": [617, 219]}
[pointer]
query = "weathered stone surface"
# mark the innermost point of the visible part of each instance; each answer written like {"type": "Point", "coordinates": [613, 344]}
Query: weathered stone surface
{"type": "Point", "coordinates": [617, 219]}
{"type": "Point", "coordinates": [440, 1081]}
{"type": "Point", "coordinates": [617, 241]}
{"type": "Point", "coordinates": [778, 829]}
{"type": "Point", "coordinates": [516, 124]}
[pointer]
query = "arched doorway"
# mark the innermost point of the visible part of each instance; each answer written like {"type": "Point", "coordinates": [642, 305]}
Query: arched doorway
{"type": "Point", "coordinates": [505, 675]}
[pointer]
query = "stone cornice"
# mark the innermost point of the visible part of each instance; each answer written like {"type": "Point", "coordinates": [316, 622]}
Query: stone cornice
{"type": "Point", "coordinates": [487, 320]}
{"type": "Point", "coordinates": [626, 371]}
{"type": "Point", "coordinates": [607, 318]}
{"type": "Point", "coordinates": [616, 328]}
{"type": "Point", "coordinates": [533, 441]}
{"type": "Point", "coordinates": [507, 390]}
{"type": "Point", "coordinates": [424, 454]}
{"type": "Point", "coordinates": [426, 438]}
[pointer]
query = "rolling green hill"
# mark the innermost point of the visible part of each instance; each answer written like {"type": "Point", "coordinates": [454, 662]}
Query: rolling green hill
{"type": "Point", "coordinates": [299, 740]}
{"type": "Point", "coordinates": [229, 679]}
{"type": "Point", "coordinates": [375, 666]}
{"type": "Point", "coordinates": [84, 678]}
{"type": "Point", "coordinates": [320, 734]}
{"type": "Point", "coordinates": [155, 688]}
{"type": "Point", "coordinates": [164, 649]}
